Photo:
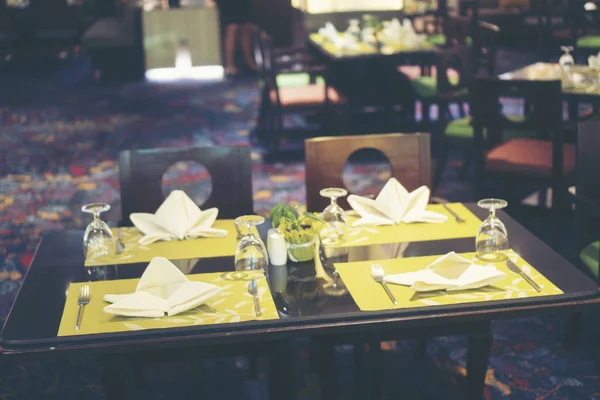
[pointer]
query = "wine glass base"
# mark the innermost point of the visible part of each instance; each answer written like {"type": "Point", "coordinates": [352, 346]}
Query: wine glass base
{"type": "Point", "coordinates": [492, 257]}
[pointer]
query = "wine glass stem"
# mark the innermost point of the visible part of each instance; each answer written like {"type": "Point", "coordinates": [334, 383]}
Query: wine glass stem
{"type": "Point", "coordinates": [493, 212]}
{"type": "Point", "coordinates": [96, 216]}
{"type": "Point", "coordinates": [333, 200]}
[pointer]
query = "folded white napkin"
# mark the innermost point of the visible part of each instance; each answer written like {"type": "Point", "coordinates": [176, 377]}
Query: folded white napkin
{"type": "Point", "coordinates": [449, 272]}
{"type": "Point", "coordinates": [393, 205]}
{"type": "Point", "coordinates": [594, 62]}
{"type": "Point", "coordinates": [162, 290]}
{"type": "Point", "coordinates": [177, 218]}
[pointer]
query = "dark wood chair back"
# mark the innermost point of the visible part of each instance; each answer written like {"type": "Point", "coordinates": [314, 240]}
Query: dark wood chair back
{"type": "Point", "coordinates": [487, 48]}
{"type": "Point", "coordinates": [586, 181]}
{"type": "Point", "coordinates": [457, 58]}
{"type": "Point", "coordinates": [230, 168]}
{"type": "Point", "coordinates": [456, 29]}
{"type": "Point", "coordinates": [409, 156]}
{"type": "Point", "coordinates": [542, 114]}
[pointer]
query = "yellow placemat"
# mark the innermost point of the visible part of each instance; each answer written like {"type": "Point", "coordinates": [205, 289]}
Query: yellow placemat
{"type": "Point", "coordinates": [370, 295]}
{"type": "Point", "coordinates": [363, 48]}
{"type": "Point", "coordinates": [233, 304]}
{"type": "Point", "coordinates": [417, 232]}
{"type": "Point", "coordinates": [173, 250]}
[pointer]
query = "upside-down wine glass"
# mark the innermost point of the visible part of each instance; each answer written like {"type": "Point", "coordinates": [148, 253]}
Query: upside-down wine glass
{"type": "Point", "coordinates": [98, 240]}
{"type": "Point", "coordinates": [251, 254]}
{"type": "Point", "coordinates": [332, 233]}
{"type": "Point", "coordinates": [492, 239]}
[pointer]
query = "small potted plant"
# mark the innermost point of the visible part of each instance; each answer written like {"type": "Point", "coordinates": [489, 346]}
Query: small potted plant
{"type": "Point", "coordinates": [300, 231]}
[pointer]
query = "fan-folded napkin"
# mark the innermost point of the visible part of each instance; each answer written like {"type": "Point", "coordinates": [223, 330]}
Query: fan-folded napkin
{"type": "Point", "coordinates": [177, 218]}
{"type": "Point", "coordinates": [162, 290]}
{"type": "Point", "coordinates": [393, 205]}
{"type": "Point", "coordinates": [449, 272]}
{"type": "Point", "coordinates": [594, 61]}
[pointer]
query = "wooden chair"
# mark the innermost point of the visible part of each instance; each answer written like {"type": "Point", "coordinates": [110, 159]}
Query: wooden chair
{"type": "Point", "coordinates": [278, 101]}
{"type": "Point", "coordinates": [586, 28]}
{"type": "Point", "coordinates": [587, 197]}
{"type": "Point", "coordinates": [542, 159]}
{"type": "Point", "coordinates": [141, 172]}
{"type": "Point", "coordinates": [450, 85]}
{"type": "Point", "coordinates": [409, 156]}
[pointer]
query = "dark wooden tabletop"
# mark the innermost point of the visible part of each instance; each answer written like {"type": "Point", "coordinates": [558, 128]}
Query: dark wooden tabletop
{"type": "Point", "coordinates": [305, 309]}
{"type": "Point", "coordinates": [587, 86]}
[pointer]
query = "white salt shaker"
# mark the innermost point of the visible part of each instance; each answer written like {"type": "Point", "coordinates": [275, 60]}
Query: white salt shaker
{"type": "Point", "coordinates": [276, 247]}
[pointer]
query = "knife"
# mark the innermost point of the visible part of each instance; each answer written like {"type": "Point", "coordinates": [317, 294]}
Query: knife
{"type": "Point", "coordinates": [514, 268]}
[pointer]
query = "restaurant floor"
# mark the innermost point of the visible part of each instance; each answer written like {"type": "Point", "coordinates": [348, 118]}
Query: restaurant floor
{"type": "Point", "coordinates": [60, 134]}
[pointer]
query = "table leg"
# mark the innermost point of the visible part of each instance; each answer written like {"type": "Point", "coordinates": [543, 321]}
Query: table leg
{"type": "Point", "coordinates": [479, 345]}
{"type": "Point", "coordinates": [114, 379]}
{"type": "Point", "coordinates": [375, 366]}
{"type": "Point", "coordinates": [280, 386]}
{"type": "Point", "coordinates": [326, 366]}
{"type": "Point", "coordinates": [360, 370]}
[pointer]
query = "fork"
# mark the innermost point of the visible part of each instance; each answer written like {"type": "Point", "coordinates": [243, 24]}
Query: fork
{"type": "Point", "coordinates": [82, 300]}
{"type": "Point", "coordinates": [120, 244]}
{"type": "Point", "coordinates": [253, 290]}
{"type": "Point", "coordinates": [454, 214]}
{"type": "Point", "coordinates": [378, 274]}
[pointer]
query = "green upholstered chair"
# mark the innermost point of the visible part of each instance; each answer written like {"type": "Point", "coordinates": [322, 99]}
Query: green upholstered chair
{"type": "Point", "coordinates": [587, 210]}
{"type": "Point", "coordinates": [450, 83]}
{"type": "Point", "coordinates": [589, 42]}
{"type": "Point", "coordinates": [587, 197]}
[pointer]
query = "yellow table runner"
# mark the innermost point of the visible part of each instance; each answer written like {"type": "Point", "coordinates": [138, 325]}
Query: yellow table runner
{"type": "Point", "coordinates": [370, 295]}
{"type": "Point", "coordinates": [233, 304]}
{"type": "Point", "coordinates": [417, 232]}
{"type": "Point", "coordinates": [173, 250]}
{"type": "Point", "coordinates": [364, 49]}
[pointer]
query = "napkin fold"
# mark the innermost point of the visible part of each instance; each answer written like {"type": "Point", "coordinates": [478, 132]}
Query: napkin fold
{"type": "Point", "coordinates": [594, 62]}
{"type": "Point", "coordinates": [393, 205]}
{"type": "Point", "coordinates": [177, 218]}
{"type": "Point", "coordinates": [162, 290]}
{"type": "Point", "coordinates": [449, 272]}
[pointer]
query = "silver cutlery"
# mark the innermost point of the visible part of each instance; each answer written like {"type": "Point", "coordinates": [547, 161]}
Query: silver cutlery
{"type": "Point", "coordinates": [378, 274]}
{"type": "Point", "coordinates": [82, 300]}
{"type": "Point", "coordinates": [454, 214]}
{"type": "Point", "coordinates": [514, 268]}
{"type": "Point", "coordinates": [253, 290]}
{"type": "Point", "coordinates": [120, 244]}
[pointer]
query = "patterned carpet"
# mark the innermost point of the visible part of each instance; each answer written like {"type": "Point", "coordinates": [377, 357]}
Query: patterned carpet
{"type": "Point", "coordinates": [59, 142]}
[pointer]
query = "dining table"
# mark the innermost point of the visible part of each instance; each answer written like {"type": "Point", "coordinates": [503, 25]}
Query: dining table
{"type": "Point", "coordinates": [331, 299]}
{"type": "Point", "coordinates": [368, 75]}
{"type": "Point", "coordinates": [581, 85]}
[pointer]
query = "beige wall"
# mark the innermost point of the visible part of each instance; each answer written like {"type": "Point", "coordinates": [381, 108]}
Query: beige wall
{"type": "Point", "coordinates": [164, 29]}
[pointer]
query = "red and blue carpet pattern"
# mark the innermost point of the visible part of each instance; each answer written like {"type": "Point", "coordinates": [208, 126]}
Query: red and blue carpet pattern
{"type": "Point", "coordinates": [59, 146]}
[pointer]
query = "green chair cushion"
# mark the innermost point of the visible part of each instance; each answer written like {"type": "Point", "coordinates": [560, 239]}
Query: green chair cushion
{"type": "Point", "coordinates": [439, 39]}
{"type": "Point", "coordinates": [426, 86]}
{"type": "Point", "coordinates": [298, 79]}
{"type": "Point", "coordinates": [462, 129]}
{"type": "Point", "coordinates": [589, 257]}
{"type": "Point", "coordinates": [590, 41]}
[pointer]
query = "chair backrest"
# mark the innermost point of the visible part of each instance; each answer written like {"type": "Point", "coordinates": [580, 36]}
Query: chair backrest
{"type": "Point", "coordinates": [230, 168]}
{"type": "Point", "coordinates": [586, 184]}
{"type": "Point", "coordinates": [267, 65]}
{"type": "Point", "coordinates": [457, 58]}
{"type": "Point", "coordinates": [409, 156]}
{"type": "Point", "coordinates": [456, 29]}
{"type": "Point", "coordinates": [588, 162]}
{"type": "Point", "coordinates": [489, 37]}
{"type": "Point", "coordinates": [542, 107]}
